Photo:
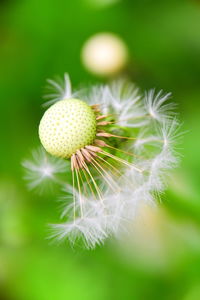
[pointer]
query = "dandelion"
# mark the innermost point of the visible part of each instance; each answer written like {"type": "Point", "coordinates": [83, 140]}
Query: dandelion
{"type": "Point", "coordinates": [119, 146]}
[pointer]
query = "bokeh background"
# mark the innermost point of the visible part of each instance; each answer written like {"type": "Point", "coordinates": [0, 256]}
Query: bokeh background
{"type": "Point", "coordinates": [43, 38]}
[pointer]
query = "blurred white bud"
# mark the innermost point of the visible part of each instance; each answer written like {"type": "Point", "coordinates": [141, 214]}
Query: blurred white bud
{"type": "Point", "coordinates": [104, 54]}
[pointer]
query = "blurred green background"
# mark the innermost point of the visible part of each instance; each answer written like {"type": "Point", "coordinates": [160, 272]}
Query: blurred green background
{"type": "Point", "coordinates": [43, 38]}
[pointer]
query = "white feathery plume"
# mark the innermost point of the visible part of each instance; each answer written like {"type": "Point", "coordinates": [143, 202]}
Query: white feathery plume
{"type": "Point", "coordinates": [155, 167]}
{"type": "Point", "coordinates": [170, 134]}
{"type": "Point", "coordinates": [145, 138]}
{"type": "Point", "coordinates": [166, 159]}
{"type": "Point", "coordinates": [59, 90]}
{"type": "Point", "coordinates": [88, 229]}
{"type": "Point", "coordinates": [42, 169]}
{"type": "Point", "coordinates": [104, 217]}
{"type": "Point", "coordinates": [91, 227]}
{"type": "Point", "coordinates": [123, 94]}
{"type": "Point", "coordinates": [113, 212]}
{"type": "Point", "coordinates": [157, 107]}
{"type": "Point", "coordinates": [134, 191]}
{"type": "Point", "coordinates": [98, 94]}
{"type": "Point", "coordinates": [124, 100]}
{"type": "Point", "coordinates": [72, 195]}
{"type": "Point", "coordinates": [120, 98]}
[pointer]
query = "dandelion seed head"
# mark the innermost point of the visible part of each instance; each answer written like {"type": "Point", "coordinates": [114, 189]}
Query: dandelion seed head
{"type": "Point", "coordinates": [67, 126]}
{"type": "Point", "coordinates": [119, 144]}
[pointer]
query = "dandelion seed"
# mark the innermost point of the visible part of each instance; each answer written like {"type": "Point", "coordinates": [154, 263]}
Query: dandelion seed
{"type": "Point", "coordinates": [157, 107]}
{"type": "Point", "coordinates": [41, 170]}
{"type": "Point", "coordinates": [58, 91]}
{"type": "Point", "coordinates": [118, 145]}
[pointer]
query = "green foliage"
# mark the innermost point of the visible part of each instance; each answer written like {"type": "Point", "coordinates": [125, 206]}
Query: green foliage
{"type": "Point", "coordinates": [40, 39]}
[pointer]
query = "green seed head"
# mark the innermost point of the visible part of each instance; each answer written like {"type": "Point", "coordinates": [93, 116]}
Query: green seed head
{"type": "Point", "coordinates": [66, 127]}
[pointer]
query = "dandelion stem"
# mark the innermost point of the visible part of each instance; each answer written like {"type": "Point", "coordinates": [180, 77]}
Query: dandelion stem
{"type": "Point", "coordinates": [111, 166]}
{"type": "Point", "coordinates": [74, 199]}
{"type": "Point", "coordinates": [95, 185]}
{"type": "Point", "coordinates": [112, 183]}
{"type": "Point", "coordinates": [79, 189]}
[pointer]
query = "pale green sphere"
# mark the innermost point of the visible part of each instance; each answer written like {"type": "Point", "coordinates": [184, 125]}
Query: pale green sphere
{"type": "Point", "coordinates": [66, 127]}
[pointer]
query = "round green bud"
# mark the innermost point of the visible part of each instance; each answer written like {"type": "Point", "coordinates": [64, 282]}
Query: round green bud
{"type": "Point", "coordinates": [66, 127]}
